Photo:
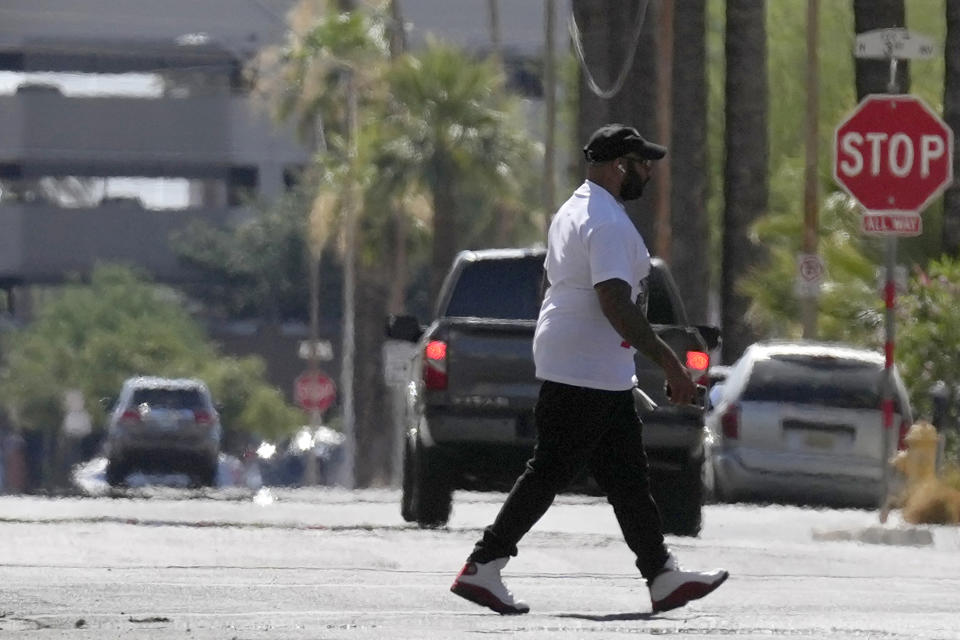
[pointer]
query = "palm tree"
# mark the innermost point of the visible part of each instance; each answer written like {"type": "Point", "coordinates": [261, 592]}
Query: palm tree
{"type": "Point", "coordinates": [745, 166]}
{"type": "Point", "coordinates": [454, 128]}
{"type": "Point", "coordinates": [688, 164]}
{"type": "Point", "coordinates": [327, 76]}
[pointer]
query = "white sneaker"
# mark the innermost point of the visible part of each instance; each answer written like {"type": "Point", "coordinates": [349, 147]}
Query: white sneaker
{"type": "Point", "coordinates": [673, 587]}
{"type": "Point", "coordinates": [481, 583]}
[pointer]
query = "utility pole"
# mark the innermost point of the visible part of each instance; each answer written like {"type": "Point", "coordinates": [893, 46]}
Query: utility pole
{"type": "Point", "coordinates": [550, 105]}
{"type": "Point", "coordinates": [350, 288]}
{"type": "Point", "coordinates": [664, 236]}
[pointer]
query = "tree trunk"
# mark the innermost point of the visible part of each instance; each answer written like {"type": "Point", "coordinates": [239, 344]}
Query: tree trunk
{"type": "Point", "coordinates": [951, 112]}
{"type": "Point", "coordinates": [873, 76]}
{"type": "Point", "coordinates": [745, 167]}
{"type": "Point", "coordinates": [444, 222]}
{"type": "Point", "coordinates": [607, 33]}
{"type": "Point", "coordinates": [375, 433]}
{"type": "Point", "coordinates": [690, 248]}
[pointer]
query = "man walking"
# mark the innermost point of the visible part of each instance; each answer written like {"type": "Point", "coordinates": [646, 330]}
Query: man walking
{"type": "Point", "coordinates": [587, 333]}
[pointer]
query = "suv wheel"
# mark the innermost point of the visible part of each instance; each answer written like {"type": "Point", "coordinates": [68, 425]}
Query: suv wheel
{"type": "Point", "coordinates": [204, 473]}
{"type": "Point", "coordinates": [407, 511]}
{"type": "Point", "coordinates": [117, 472]}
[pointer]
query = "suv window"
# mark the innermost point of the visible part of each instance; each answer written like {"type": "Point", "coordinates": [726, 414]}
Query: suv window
{"type": "Point", "coordinates": [164, 398]}
{"type": "Point", "coordinates": [507, 289]}
{"type": "Point", "coordinates": [820, 380]}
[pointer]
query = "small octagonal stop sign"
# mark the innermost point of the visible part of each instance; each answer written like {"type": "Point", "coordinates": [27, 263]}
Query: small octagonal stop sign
{"type": "Point", "coordinates": [314, 391]}
{"type": "Point", "coordinates": [893, 154]}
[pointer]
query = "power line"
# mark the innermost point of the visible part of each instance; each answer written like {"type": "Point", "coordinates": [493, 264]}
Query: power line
{"type": "Point", "coordinates": [628, 62]}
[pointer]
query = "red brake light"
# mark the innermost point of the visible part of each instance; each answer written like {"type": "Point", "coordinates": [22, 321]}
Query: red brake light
{"type": "Point", "coordinates": [435, 365]}
{"type": "Point", "coordinates": [202, 416]}
{"type": "Point", "coordinates": [436, 350]}
{"type": "Point", "coordinates": [698, 362]}
{"type": "Point", "coordinates": [730, 422]}
{"type": "Point", "coordinates": [130, 414]}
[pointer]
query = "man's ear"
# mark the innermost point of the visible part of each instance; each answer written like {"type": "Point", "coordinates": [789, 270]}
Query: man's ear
{"type": "Point", "coordinates": [621, 169]}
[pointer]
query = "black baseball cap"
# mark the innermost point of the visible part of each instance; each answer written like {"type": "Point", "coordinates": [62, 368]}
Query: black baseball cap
{"type": "Point", "coordinates": [613, 141]}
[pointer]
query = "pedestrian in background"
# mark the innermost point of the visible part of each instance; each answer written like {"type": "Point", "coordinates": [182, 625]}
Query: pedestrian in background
{"type": "Point", "coordinates": [591, 323]}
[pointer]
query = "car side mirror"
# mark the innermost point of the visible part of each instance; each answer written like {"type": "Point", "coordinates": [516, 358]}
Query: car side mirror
{"type": "Point", "coordinates": [107, 402]}
{"type": "Point", "coordinates": [405, 328]}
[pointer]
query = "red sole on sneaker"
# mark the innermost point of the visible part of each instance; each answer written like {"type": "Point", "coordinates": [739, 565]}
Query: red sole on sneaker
{"type": "Point", "coordinates": [482, 597]}
{"type": "Point", "coordinates": [686, 593]}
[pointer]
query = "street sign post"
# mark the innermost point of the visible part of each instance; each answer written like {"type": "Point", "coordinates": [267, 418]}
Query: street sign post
{"type": "Point", "coordinates": [894, 155]}
{"type": "Point", "coordinates": [314, 391]}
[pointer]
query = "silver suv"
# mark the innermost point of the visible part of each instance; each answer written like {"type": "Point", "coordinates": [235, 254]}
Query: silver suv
{"type": "Point", "coordinates": [163, 425]}
{"type": "Point", "coordinates": [803, 421]}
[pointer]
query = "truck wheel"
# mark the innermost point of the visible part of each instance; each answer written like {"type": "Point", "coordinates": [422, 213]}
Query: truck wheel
{"type": "Point", "coordinates": [116, 472]}
{"type": "Point", "coordinates": [406, 488]}
{"type": "Point", "coordinates": [682, 512]}
{"type": "Point", "coordinates": [432, 498]}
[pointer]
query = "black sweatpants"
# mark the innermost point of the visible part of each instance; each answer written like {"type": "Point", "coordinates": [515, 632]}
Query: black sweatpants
{"type": "Point", "coordinates": [577, 426]}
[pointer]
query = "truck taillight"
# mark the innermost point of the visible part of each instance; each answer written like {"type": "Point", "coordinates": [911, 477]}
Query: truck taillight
{"type": "Point", "coordinates": [730, 422]}
{"type": "Point", "coordinates": [435, 365]}
{"type": "Point", "coordinates": [202, 416]}
{"type": "Point", "coordinates": [698, 362]}
{"type": "Point", "coordinates": [131, 415]}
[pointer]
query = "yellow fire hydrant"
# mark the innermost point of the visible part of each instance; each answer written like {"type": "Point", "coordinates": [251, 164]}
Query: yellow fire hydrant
{"type": "Point", "coordinates": [918, 463]}
{"type": "Point", "coordinates": [924, 499]}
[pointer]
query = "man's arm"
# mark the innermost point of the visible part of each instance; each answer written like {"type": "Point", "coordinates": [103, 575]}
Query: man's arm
{"type": "Point", "coordinates": [632, 325]}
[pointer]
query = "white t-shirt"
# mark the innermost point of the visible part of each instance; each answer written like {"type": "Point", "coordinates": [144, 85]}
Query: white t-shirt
{"type": "Point", "coordinates": [590, 240]}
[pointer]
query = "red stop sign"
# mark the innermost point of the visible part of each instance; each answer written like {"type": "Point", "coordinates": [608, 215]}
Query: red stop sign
{"type": "Point", "coordinates": [893, 153]}
{"type": "Point", "coordinates": [314, 391]}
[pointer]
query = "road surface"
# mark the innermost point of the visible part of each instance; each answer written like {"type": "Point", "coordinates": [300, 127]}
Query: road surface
{"type": "Point", "coordinates": [330, 563]}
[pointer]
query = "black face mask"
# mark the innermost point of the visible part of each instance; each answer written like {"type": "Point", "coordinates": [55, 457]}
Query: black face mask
{"type": "Point", "coordinates": [632, 186]}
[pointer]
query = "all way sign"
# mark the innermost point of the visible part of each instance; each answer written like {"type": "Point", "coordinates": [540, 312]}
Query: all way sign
{"type": "Point", "coordinates": [900, 224]}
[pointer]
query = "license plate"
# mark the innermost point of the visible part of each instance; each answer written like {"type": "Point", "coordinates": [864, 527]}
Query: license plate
{"type": "Point", "coordinates": [818, 440]}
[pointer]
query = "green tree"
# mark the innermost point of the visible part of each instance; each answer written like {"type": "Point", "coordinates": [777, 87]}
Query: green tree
{"type": "Point", "coordinates": [257, 269]}
{"type": "Point", "coordinates": [459, 135]}
{"type": "Point", "coordinates": [928, 337]}
{"type": "Point", "coordinates": [92, 336]}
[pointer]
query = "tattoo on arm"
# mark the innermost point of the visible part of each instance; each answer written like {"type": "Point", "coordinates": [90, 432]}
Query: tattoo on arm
{"type": "Point", "coordinates": [631, 323]}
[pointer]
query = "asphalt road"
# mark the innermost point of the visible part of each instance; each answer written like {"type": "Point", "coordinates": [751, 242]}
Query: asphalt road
{"type": "Point", "coordinates": [322, 563]}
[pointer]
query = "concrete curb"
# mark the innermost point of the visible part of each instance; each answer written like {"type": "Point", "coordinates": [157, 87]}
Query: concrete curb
{"type": "Point", "coordinates": [903, 537]}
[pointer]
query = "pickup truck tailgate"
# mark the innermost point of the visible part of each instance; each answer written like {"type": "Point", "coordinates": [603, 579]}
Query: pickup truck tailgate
{"type": "Point", "coordinates": [490, 365]}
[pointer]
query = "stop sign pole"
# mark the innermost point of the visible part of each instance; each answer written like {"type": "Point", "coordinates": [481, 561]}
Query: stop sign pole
{"type": "Point", "coordinates": [899, 214]}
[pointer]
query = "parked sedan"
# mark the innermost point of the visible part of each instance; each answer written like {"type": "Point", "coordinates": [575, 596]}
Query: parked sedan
{"type": "Point", "coordinates": [803, 422]}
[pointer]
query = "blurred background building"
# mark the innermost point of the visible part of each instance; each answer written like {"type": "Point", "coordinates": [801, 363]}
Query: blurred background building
{"type": "Point", "coordinates": [122, 122]}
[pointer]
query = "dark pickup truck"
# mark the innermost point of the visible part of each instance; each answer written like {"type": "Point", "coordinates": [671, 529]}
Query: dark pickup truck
{"type": "Point", "coordinates": [469, 413]}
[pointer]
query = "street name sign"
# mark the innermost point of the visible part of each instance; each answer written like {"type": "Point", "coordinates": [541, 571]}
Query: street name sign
{"type": "Point", "coordinates": [893, 43]}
